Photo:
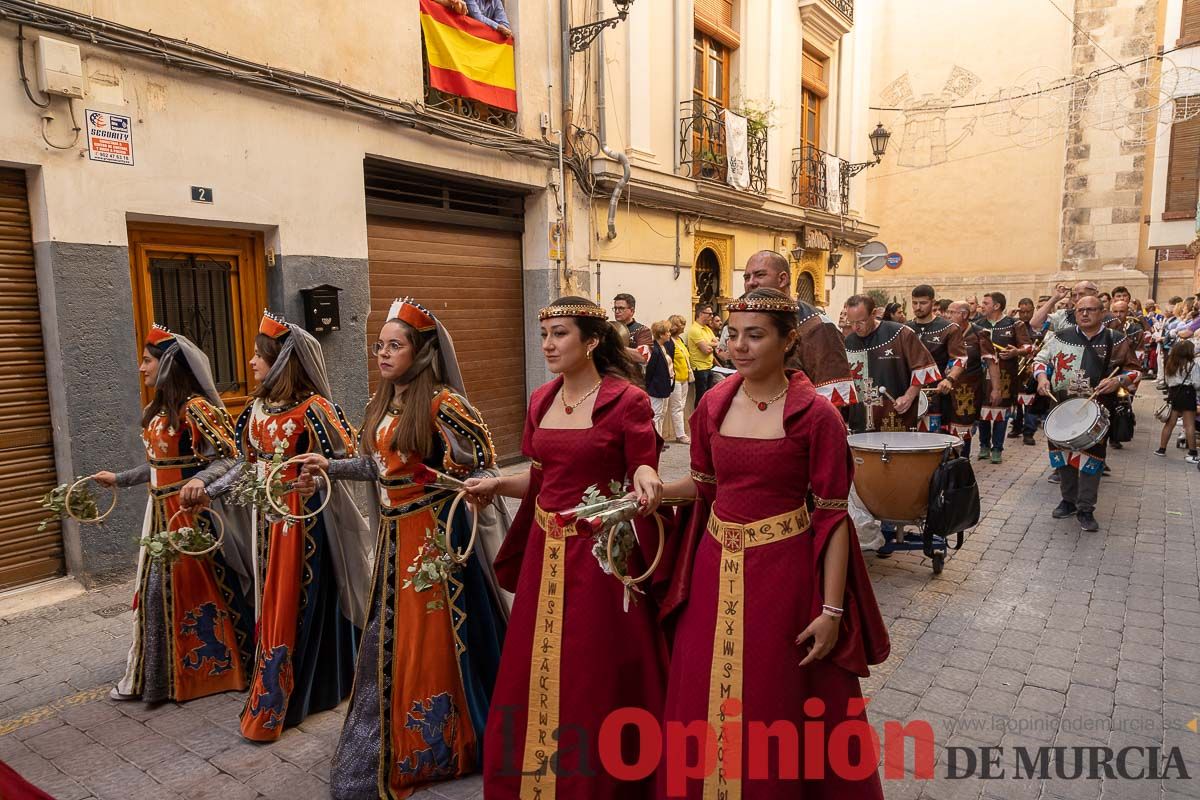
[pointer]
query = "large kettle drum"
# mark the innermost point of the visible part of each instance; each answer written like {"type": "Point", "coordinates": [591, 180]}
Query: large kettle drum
{"type": "Point", "coordinates": [892, 471]}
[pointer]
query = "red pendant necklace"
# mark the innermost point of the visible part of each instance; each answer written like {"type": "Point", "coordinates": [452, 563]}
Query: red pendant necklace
{"type": "Point", "coordinates": [570, 407]}
{"type": "Point", "coordinates": [763, 405]}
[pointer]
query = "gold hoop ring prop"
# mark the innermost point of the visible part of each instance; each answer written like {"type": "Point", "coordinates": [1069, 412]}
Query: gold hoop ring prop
{"type": "Point", "coordinates": [441, 480]}
{"type": "Point", "coordinates": [461, 558]}
{"type": "Point", "coordinates": [627, 580]}
{"type": "Point", "coordinates": [111, 506]}
{"type": "Point", "coordinates": [281, 510]}
{"type": "Point", "coordinates": [217, 540]}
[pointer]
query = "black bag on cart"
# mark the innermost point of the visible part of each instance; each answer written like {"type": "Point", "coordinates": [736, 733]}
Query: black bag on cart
{"type": "Point", "coordinates": [953, 499]}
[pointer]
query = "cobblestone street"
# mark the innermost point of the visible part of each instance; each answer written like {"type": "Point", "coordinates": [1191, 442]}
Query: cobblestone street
{"type": "Point", "coordinates": [1035, 634]}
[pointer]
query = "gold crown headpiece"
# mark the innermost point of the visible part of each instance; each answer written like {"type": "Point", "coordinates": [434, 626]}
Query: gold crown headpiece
{"type": "Point", "coordinates": [575, 310]}
{"type": "Point", "coordinates": [766, 304]}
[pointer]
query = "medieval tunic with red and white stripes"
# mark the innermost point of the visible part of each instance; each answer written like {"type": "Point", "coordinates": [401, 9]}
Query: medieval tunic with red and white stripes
{"type": "Point", "coordinates": [884, 364]}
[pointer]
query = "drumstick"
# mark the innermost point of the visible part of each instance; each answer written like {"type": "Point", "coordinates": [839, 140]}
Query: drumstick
{"type": "Point", "coordinates": [1092, 396]}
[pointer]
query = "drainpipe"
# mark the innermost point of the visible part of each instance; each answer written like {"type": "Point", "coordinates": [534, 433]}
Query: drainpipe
{"type": "Point", "coordinates": [620, 158]}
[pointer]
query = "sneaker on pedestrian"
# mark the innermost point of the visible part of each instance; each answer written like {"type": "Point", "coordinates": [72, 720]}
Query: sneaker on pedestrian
{"type": "Point", "coordinates": [1162, 451]}
{"type": "Point", "coordinates": [1054, 477]}
{"type": "Point", "coordinates": [1087, 522]}
{"type": "Point", "coordinates": [1028, 439]}
{"type": "Point", "coordinates": [1064, 510]}
{"type": "Point", "coordinates": [1192, 457]}
{"type": "Point", "coordinates": [984, 454]}
{"type": "Point", "coordinates": [997, 456]}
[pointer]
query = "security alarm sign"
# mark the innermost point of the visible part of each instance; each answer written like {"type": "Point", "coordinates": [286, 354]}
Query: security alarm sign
{"type": "Point", "coordinates": [110, 138]}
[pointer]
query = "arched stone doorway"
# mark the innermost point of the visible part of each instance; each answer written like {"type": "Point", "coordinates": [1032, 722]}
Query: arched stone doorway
{"type": "Point", "coordinates": [707, 273]}
{"type": "Point", "coordinates": [806, 289]}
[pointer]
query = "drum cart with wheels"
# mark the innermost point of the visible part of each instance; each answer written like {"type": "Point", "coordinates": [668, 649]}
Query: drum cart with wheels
{"type": "Point", "coordinates": [892, 471]}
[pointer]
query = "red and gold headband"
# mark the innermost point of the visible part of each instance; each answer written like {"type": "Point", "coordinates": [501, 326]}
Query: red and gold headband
{"type": "Point", "coordinates": [273, 325]}
{"type": "Point", "coordinates": [765, 304]}
{"type": "Point", "coordinates": [159, 336]}
{"type": "Point", "coordinates": [412, 313]}
{"type": "Point", "coordinates": [575, 310]}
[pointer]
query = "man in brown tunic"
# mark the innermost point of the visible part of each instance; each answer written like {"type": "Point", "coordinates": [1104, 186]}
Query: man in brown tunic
{"type": "Point", "coordinates": [820, 352]}
{"type": "Point", "coordinates": [944, 341]}
{"type": "Point", "coordinates": [1010, 338]}
{"type": "Point", "coordinates": [968, 398]}
{"type": "Point", "coordinates": [889, 365]}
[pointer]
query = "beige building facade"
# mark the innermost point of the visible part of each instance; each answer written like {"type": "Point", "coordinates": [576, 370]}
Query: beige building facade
{"type": "Point", "coordinates": [1024, 144]}
{"type": "Point", "coordinates": [681, 233]}
{"type": "Point", "coordinates": [197, 164]}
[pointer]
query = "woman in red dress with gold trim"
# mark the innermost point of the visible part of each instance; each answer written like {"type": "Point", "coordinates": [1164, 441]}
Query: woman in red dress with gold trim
{"type": "Point", "coordinates": [560, 673]}
{"type": "Point", "coordinates": [192, 626]}
{"type": "Point", "coordinates": [770, 601]}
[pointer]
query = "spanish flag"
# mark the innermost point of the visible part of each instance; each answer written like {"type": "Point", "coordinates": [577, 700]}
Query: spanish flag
{"type": "Point", "coordinates": [467, 58]}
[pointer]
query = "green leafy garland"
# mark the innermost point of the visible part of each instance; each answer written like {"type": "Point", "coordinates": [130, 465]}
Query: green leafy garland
{"type": "Point", "coordinates": [83, 503]}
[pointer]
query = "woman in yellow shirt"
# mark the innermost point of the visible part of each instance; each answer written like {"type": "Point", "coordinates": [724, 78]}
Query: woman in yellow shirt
{"type": "Point", "coordinates": [683, 375]}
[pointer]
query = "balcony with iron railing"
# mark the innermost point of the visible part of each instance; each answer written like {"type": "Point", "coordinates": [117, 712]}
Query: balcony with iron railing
{"type": "Point", "coordinates": [703, 145]}
{"type": "Point", "coordinates": [820, 181]}
{"type": "Point", "coordinates": [465, 107]}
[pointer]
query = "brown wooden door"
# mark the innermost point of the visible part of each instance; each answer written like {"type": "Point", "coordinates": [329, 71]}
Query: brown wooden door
{"type": "Point", "coordinates": [471, 279]}
{"type": "Point", "coordinates": [26, 437]}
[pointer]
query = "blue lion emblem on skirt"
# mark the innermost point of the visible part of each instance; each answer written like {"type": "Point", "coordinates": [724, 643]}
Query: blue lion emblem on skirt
{"type": "Point", "coordinates": [273, 671]}
{"type": "Point", "coordinates": [437, 720]}
{"type": "Point", "coordinates": [202, 623]}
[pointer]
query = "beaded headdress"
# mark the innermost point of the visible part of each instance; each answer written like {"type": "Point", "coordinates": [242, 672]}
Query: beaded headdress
{"type": "Point", "coordinates": [159, 336]}
{"type": "Point", "coordinates": [412, 313]}
{"type": "Point", "coordinates": [273, 325]}
{"type": "Point", "coordinates": [573, 310]}
{"type": "Point", "coordinates": [766, 304]}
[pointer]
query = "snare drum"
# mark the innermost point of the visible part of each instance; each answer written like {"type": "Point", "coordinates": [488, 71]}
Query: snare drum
{"type": "Point", "coordinates": [1077, 424]}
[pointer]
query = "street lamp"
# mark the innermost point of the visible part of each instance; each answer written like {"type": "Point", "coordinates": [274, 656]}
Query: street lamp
{"type": "Point", "coordinates": [879, 142]}
{"type": "Point", "coordinates": [583, 35]}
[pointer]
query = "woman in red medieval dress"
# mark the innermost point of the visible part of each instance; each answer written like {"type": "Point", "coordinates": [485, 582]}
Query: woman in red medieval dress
{"type": "Point", "coordinates": [192, 629]}
{"type": "Point", "coordinates": [771, 606]}
{"type": "Point", "coordinates": [561, 672]}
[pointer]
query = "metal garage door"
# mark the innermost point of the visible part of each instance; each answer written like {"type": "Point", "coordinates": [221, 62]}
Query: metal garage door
{"type": "Point", "coordinates": [471, 279]}
{"type": "Point", "coordinates": [26, 438]}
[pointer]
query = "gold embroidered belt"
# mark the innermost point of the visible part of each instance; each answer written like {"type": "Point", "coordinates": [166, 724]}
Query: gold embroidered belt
{"type": "Point", "coordinates": [725, 677]}
{"type": "Point", "coordinates": [538, 780]}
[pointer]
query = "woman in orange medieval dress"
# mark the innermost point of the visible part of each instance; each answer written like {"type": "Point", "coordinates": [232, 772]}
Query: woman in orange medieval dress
{"type": "Point", "coordinates": [312, 568]}
{"type": "Point", "coordinates": [192, 625]}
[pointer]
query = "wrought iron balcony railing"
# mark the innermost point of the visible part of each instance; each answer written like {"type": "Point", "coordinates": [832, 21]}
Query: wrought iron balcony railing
{"type": "Point", "coordinates": [846, 7]}
{"type": "Point", "coordinates": [703, 145]}
{"type": "Point", "coordinates": [465, 106]}
{"type": "Point", "coordinates": [819, 180]}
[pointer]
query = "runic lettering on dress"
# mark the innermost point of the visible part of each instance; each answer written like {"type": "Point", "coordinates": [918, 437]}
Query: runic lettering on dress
{"type": "Point", "coordinates": [871, 396]}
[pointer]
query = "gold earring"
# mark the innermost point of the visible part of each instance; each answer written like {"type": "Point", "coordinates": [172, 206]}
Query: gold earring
{"type": "Point", "coordinates": [589, 355]}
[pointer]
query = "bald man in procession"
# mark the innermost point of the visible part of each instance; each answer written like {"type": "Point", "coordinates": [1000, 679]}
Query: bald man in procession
{"type": "Point", "coordinates": [821, 351]}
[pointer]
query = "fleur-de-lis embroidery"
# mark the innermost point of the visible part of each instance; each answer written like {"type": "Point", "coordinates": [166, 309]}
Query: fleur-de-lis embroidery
{"type": "Point", "coordinates": [289, 428]}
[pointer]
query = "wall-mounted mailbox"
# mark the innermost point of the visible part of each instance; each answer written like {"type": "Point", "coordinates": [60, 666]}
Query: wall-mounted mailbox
{"type": "Point", "coordinates": [321, 309]}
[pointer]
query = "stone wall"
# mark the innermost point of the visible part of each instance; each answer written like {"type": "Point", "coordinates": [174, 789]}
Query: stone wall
{"type": "Point", "coordinates": [1105, 164]}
